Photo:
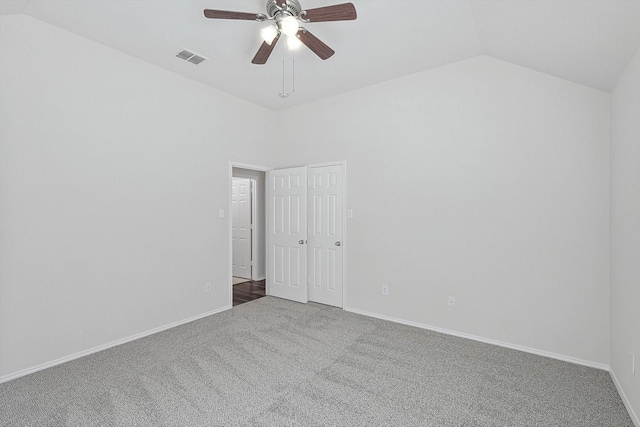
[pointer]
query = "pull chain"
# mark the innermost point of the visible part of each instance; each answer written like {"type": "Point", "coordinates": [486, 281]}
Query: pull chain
{"type": "Point", "coordinates": [283, 94]}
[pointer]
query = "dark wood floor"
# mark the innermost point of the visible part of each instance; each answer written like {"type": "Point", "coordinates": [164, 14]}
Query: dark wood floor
{"type": "Point", "coordinates": [248, 291]}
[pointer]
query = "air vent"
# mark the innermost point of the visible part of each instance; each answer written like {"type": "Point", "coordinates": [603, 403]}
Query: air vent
{"type": "Point", "coordinates": [185, 54]}
{"type": "Point", "coordinates": [195, 59]}
{"type": "Point", "coordinates": [188, 56]}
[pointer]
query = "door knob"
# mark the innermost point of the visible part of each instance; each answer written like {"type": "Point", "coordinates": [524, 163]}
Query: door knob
{"type": "Point", "coordinates": [301, 242]}
{"type": "Point", "coordinates": [338, 243]}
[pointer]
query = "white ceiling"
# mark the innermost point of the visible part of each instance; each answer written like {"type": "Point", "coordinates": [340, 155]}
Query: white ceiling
{"type": "Point", "coordinates": [586, 41]}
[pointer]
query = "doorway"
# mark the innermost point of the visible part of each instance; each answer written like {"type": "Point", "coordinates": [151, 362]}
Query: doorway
{"type": "Point", "coordinates": [247, 212]}
{"type": "Point", "coordinates": [242, 219]}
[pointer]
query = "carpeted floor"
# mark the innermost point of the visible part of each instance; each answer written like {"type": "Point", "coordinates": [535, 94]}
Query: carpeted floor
{"type": "Point", "coordinates": [277, 363]}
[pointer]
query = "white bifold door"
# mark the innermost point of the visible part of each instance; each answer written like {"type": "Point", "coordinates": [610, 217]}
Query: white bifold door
{"type": "Point", "coordinates": [241, 227]}
{"type": "Point", "coordinates": [305, 234]}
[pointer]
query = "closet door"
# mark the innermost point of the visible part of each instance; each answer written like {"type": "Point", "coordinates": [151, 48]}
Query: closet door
{"type": "Point", "coordinates": [325, 234]}
{"type": "Point", "coordinates": [287, 234]}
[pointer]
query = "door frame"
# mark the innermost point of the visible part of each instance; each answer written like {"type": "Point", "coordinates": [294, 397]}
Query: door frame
{"type": "Point", "coordinates": [345, 241]}
{"type": "Point", "coordinates": [233, 164]}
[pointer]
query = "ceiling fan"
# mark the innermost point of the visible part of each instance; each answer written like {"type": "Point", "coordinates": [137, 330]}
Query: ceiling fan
{"type": "Point", "coordinates": [286, 15]}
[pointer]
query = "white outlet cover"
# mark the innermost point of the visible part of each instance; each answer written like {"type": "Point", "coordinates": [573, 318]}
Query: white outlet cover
{"type": "Point", "coordinates": [349, 213]}
{"type": "Point", "coordinates": [452, 301]}
{"type": "Point", "coordinates": [221, 213]}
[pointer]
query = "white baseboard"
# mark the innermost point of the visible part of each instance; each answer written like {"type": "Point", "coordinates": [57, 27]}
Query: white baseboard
{"type": "Point", "coordinates": [64, 359]}
{"type": "Point", "coordinates": [625, 400]}
{"type": "Point", "coordinates": [485, 340]}
{"type": "Point", "coordinates": [259, 278]}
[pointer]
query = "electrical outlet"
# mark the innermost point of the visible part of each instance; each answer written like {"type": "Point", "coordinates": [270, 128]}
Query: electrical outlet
{"type": "Point", "coordinates": [207, 287]}
{"type": "Point", "coordinates": [221, 213]}
{"type": "Point", "coordinates": [349, 213]}
{"type": "Point", "coordinates": [385, 290]}
{"type": "Point", "coordinates": [452, 301]}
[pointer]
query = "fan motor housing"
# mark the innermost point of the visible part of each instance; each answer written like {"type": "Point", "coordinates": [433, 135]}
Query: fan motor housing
{"type": "Point", "coordinates": [292, 7]}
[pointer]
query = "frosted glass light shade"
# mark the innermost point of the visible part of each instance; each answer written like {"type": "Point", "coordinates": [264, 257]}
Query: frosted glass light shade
{"type": "Point", "coordinates": [269, 33]}
{"type": "Point", "coordinates": [289, 26]}
{"type": "Point", "coordinates": [293, 42]}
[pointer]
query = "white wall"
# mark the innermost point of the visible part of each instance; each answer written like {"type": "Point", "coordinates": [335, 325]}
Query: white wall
{"type": "Point", "coordinates": [260, 258]}
{"type": "Point", "coordinates": [625, 232]}
{"type": "Point", "coordinates": [112, 172]}
{"type": "Point", "coordinates": [481, 180]}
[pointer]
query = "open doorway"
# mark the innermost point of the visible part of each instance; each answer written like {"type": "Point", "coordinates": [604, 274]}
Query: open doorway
{"type": "Point", "coordinates": [248, 238]}
{"type": "Point", "coordinates": [242, 220]}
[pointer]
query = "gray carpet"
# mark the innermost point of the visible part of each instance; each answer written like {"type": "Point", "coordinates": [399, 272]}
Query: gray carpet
{"type": "Point", "coordinates": [277, 363]}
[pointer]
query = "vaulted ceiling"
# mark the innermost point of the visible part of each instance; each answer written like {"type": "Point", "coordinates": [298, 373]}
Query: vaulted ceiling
{"type": "Point", "coordinates": [587, 42]}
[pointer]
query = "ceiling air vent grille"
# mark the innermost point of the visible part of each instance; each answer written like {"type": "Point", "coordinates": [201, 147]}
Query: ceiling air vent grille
{"type": "Point", "coordinates": [195, 59]}
{"type": "Point", "coordinates": [188, 56]}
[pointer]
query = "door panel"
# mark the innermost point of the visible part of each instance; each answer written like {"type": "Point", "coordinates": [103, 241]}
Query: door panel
{"type": "Point", "coordinates": [286, 234]}
{"type": "Point", "coordinates": [325, 239]}
{"type": "Point", "coordinates": [241, 227]}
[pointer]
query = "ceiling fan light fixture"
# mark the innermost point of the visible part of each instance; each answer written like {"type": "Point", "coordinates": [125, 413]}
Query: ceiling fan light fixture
{"type": "Point", "coordinates": [269, 33]}
{"type": "Point", "coordinates": [289, 26]}
{"type": "Point", "coordinates": [287, 16]}
{"type": "Point", "coordinates": [293, 42]}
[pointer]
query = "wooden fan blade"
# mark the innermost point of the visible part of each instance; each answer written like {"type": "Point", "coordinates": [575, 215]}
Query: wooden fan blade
{"type": "Point", "coordinates": [265, 50]}
{"type": "Point", "coordinates": [281, 3]}
{"type": "Point", "coordinates": [227, 14]}
{"type": "Point", "coordinates": [337, 12]}
{"type": "Point", "coordinates": [315, 44]}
